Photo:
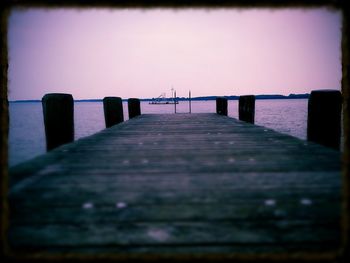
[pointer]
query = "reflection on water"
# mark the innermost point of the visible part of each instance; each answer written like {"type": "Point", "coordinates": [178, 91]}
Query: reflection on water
{"type": "Point", "coordinates": [285, 116]}
{"type": "Point", "coordinates": [27, 136]}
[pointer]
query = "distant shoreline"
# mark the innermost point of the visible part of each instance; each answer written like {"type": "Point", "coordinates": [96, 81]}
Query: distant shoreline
{"type": "Point", "coordinates": [205, 98]}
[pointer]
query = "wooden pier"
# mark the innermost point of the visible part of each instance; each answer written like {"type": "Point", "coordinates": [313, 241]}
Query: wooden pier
{"type": "Point", "coordinates": [178, 184]}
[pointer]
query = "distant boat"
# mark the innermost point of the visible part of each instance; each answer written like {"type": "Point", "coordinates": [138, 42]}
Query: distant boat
{"type": "Point", "coordinates": [161, 100]}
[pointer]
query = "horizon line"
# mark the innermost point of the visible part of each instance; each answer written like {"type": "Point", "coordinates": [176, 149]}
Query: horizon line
{"type": "Point", "coordinates": [211, 97]}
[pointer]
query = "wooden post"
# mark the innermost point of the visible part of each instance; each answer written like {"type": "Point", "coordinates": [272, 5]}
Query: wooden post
{"type": "Point", "coordinates": [113, 110]}
{"type": "Point", "coordinates": [246, 108]}
{"type": "Point", "coordinates": [58, 112]}
{"type": "Point", "coordinates": [324, 118]}
{"type": "Point", "coordinates": [221, 106]}
{"type": "Point", "coordinates": [175, 101]}
{"type": "Point", "coordinates": [134, 107]}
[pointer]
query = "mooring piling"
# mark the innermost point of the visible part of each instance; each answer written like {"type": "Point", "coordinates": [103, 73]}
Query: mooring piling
{"type": "Point", "coordinates": [113, 110]}
{"type": "Point", "coordinates": [323, 124]}
{"type": "Point", "coordinates": [246, 108]}
{"type": "Point", "coordinates": [134, 107]}
{"type": "Point", "coordinates": [324, 117]}
{"type": "Point", "coordinates": [221, 106]}
{"type": "Point", "coordinates": [58, 110]}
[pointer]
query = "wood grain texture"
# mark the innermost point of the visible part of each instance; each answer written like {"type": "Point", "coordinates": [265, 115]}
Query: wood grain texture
{"type": "Point", "coordinates": [183, 183]}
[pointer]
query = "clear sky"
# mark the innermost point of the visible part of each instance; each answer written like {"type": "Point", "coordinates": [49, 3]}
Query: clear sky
{"type": "Point", "coordinates": [93, 53]}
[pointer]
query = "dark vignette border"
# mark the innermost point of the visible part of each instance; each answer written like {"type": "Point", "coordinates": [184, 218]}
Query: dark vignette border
{"type": "Point", "coordinates": [344, 251]}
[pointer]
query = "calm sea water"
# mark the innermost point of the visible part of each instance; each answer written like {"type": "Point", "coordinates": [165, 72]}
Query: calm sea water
{"type": "Point", "coordinates": [27, 135]}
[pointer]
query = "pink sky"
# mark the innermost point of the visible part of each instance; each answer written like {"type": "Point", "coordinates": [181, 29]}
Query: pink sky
{"type": "Point", "coordinates": [93, 53]}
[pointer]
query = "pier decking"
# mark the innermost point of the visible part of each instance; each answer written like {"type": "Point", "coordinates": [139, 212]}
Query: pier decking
{"type": "Point", "coordinates": [181, 183]}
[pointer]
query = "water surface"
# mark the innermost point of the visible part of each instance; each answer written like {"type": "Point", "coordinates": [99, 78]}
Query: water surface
{"type": "Point", "coordinates": [27, 134]}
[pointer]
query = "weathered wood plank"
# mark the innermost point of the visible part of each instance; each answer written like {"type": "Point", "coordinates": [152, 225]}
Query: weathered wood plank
{"type": "Point", "coordinates": [195, 233]}
{"type": "Point", "coordinates": [251, 180]}
{"type": "Point", "coordinates": [206, 196]}
{"type": "Point", "coordinates": [254, 209]}
{"type": "Point", "coordinates": [171, 183]}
